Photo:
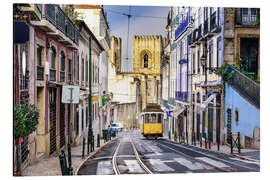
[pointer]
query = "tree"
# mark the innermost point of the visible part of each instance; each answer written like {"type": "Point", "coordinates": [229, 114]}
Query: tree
{"type": "Point", "coordinates": [25, 121]}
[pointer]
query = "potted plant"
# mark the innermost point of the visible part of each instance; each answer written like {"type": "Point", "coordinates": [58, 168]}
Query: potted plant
{"type": "Point", "coordinates": [25, 121]}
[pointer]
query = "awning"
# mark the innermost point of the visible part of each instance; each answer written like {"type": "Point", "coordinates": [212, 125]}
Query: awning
{"type": "Point", "coordinates": [178, 111]}
{"type": "Point", "coordinates": [205, 104]}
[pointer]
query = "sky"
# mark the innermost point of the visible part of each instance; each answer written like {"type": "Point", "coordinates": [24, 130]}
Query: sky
{"type": "Point", "coordinates": [153, 25]}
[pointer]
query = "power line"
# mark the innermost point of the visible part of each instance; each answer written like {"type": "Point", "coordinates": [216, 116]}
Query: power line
{"type": "Point", "coordinates": [124, 14]}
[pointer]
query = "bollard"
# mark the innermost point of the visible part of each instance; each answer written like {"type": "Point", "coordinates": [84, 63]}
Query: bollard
{"type": "Point", "coordinates": [239, 144]}
{"type": "Point", "coordinates": [231, 142]}
{"type": "Point", "coordinates": [218, 142]}
{"type": "Point", "coordinates": [70, 171]}
{"type": "Point", "coordinates": [69, 155]}
{"type": "Point", "coordinates": [205, 140]}
{"type": "Point", "coordinates": [83, 147]}
{"type": "Point", "coordinates": [93, 141]}
{"type": "Point", "coordinates": [98, 141]}
{"type": "Point", "coordinates": [169, 135]}
{"type": "Point", "coordinates": [200, 139]}
{"type": "Point", "coordinates": [187, 138]}
{"type": "Point", "coordinates": [63, 163]}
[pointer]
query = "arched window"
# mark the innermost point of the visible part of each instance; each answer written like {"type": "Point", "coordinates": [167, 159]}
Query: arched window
{"type": "Point", "coordinates": [53, 56]}
{"type": "Point", "coordinates": [145, 61]}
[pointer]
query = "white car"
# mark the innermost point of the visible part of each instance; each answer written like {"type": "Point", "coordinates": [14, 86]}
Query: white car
{"type": "Point", "coordinates": [117, 126]}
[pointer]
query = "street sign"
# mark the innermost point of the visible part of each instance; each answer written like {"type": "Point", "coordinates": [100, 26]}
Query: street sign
{"type": "Point", "coordinates": [70, 94]}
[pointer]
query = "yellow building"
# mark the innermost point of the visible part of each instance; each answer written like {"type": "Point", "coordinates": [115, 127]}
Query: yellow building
{"type": "Point", "coordinates": [147, 54]}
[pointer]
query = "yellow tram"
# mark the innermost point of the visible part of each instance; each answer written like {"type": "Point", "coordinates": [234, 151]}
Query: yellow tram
{"type": "Point", "coordinates": [152, 121]}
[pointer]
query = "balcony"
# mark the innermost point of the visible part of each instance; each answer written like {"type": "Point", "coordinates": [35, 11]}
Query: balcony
{"type": "Point", "coordinates": [34, 10]}
{"type": "Point", "coordinates": [245, 86]}
{"type": "Point", "coordinates": [52, 75]}
{"type": "Point", "coordinates": [181, 28]}
{"type": "Point", "coordinates": [62, 76]}
{"type": "Point", "coordinates": [205, 27]}
{"type": "Point", "coordinates": [69, 77]}
{"type": "Point", "coordinates": [199, 34]}
{"type": "Point", "coordinates": [181, 96]}
{"type": "Point", "coordinates": [214, 27]}
{"type": "Point", "coordinates": [57, 24]}
{"type": "Point", "coordinates": [40, 73]}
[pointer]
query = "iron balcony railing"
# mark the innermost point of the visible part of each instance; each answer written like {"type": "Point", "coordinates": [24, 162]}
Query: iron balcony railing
{"type": "Point", "coordinates": [213, 21]}
{"type": "Point", "coordinates": [181, 28]}
{"type": "Point", "coordinates": [62, 76]}
{"type": "Point", "coordinates": [52, 75]}
{"type": "Point", "coordinates": [245, 86]}
{"type": "Point", "coordinates": [70, 29]}
{"type": "Point", "coordinates": [76, 36]}
{"type": "Point", "coordinates": [40, 73]}
{"type": "Point", "coordinates": [205, 27]}
{"type": "Point", "coordinates": [69, 77]}
{"type": "Point", "coordinates": [50, 13]}
{"type": "Point", "coordinates": [60, 19]}
{"type": "Point", "coordinates": [181, 96]}
{"type": "Point", "coordinates": [199, 32]}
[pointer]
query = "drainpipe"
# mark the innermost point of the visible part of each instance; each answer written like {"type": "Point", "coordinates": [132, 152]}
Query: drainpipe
{"type": "Point", "coordinates": [90, 96]}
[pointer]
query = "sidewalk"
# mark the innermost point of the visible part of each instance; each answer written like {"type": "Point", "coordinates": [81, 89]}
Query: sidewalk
{"type": "Point", "coordinates": [50, 166]}
{"type": "Point", "coordinates": [246, 154]}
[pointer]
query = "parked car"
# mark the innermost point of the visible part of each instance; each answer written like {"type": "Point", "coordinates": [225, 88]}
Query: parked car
{"type": "Point", "coordinates": [117, 126]}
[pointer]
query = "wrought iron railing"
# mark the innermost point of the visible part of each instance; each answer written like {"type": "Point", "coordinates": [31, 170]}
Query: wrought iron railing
{"type": "Point", "coordinates": [199, 32]}
{"type": "Point", "coordinates": [69, 77]}
{"type": "Point", "coordinates": [245, 86]}
{"type": "Point", "coordinates": [76, 36]}
{"type": "Point", "coordinates": [62, 76]}
{"type": "Point", "coordinates": [181, 96]}
{"type": "Point", "coordinates": [69, 29]}
{"type": "Point", "coordinates": [52, 75]}
{"type": "Point", "coordinates": [213, 21]}
{"type": "Point", "coordinates": [40, 73]}
{"type": "Point", "coordinates": [60, 19]}
{"type": "Point", "coordinates": [205, 27]}
{"type": "Point", "coordinates": [181, 28]}
{"type": "Point", "coordinates": [50, 13]}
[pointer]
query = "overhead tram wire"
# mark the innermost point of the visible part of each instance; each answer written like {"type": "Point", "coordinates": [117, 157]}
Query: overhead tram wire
{"type": "Point", "coordinates": [129, 16]}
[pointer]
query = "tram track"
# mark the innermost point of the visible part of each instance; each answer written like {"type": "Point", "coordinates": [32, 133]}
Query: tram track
{"type": "Point", "coordinates": [137, 156]}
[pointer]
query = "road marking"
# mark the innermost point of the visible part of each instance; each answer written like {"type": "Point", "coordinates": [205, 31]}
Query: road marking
{"type": "Point", "coordinates": [133, 166]}
{"type": "Point", "coordinates": [104, 168]}
{"type": "Point", "coordinates": [159, 166]}
{"type": "Point", "coordinates": [191, 165]}
{"type": "Point", "coordinates": [245, 161]}
{"type": "Point", "coordinates": [213, 162]}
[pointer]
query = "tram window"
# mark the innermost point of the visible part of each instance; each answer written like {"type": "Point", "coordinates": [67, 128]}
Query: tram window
{"type": "Point", "coordinates": [147, 118]}
{"type": "Point", "coordinates": [153, 118]}
{"type": "Point", "coordinates": [159, 118]}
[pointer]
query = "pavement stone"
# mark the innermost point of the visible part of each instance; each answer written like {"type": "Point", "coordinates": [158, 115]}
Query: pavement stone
{"type": "Point", "coordinates": [50, 166]}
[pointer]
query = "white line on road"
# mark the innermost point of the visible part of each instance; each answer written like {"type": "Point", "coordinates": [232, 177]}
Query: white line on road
{"type": "Point", "coordinates": [133, 166]}
{"type": "Point", "coordinates": [191, 165]}
{"type": "Point", "coordinates": [159, 166]}
{"type": "Point", "coordinates": [245, 161]}
{"type": "Point", "coordinates": [213, 162]}
{"type": "Point", "coordinates": [104, 168]}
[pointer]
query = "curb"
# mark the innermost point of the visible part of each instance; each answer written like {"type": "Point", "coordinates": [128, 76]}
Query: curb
{"type": "Point", "coordinates": [92, 154]}
{"type": "Point", "coordinates": [235, 155]}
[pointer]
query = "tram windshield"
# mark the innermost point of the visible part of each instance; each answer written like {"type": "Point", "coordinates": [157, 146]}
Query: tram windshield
{"type": "Point", "coordinates": [152, 118]}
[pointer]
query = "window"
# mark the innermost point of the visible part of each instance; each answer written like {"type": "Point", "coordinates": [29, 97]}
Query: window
{"type": "Point", "coordinates": [145, 60]}
{"type": "Point", "coordinates": [39, 55]}
{"type": "Point", "coordinates": [194, 66]}
{"type": "Point", "coordinates": [53, 56]}
{"type": "Point", "coordinates": [86, 69]}
{"type": "Point", "coordinates": [62, 57]}
{"type": "Point", "coordinates": [210, 57]}
{"type": "Point", "coordinates": [77, 68]}
{"type": "Point", "coordinates": [82, 66]}
{"type": "Point", "coordinates": [219, 52]}
{"type": "Point", "coordinates": [198, 98]}
{"type": "Point", "coordinates": [236, 117]}
{"type": "Point", "coordinates": [198, 62]}
{"type": "Point", "coordinates": [245, 11]}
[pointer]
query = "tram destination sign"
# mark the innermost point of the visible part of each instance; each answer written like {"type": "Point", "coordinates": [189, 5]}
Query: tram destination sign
{"type": "Point", "coordinates": [70, 94]}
